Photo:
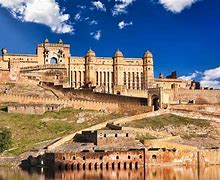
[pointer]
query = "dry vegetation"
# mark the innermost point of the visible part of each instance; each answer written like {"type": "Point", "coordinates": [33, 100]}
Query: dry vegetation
{"type": "Point", "coordinates": [33, 131]}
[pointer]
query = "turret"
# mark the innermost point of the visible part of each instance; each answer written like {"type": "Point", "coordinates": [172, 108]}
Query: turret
{"type": "Point", "coordinates": [90, 76]}
{"type": "Point", "coordinates": [46, 41]}
{"type": "Point", "coordinates": [117, 68]}
{"type": "Point", "coordinates": [4, 51]}
{"type": "Point", "coordinates": [148, 70]}
{"type": "Point", "coordinates": [60, 41]}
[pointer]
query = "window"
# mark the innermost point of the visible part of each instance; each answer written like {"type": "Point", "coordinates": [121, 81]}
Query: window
{"type": "Point", "coordinates": [126, 134]}
{"type": "Point", "coordinates": [84, 158]}
{"type": "Point", "coordinates": [63, 158]}
{"type": "Point", "coordinates": [117, 157]}
{"type": "Point", "coordinates": [100, 157]}
{"type": "Point", "coordinates": [74, 158]}
{"type": "Point", "coordinates": [154, 157]}
{"type": "Point", "coordinates": [116, 135]}
{"type": "Point", "coordinates": [140, 156]}
{"type": "Point", "coordinates": [104, 135]}
{"type": "Point", "coordinates": [129, 157]}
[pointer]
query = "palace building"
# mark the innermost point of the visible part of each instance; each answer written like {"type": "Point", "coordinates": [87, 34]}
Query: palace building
{"type": "Point", "coordinates": [54, 63]}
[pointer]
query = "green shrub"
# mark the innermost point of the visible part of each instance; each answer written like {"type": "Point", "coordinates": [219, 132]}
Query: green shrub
{"type": "Point", "coordinates": [5, 139]}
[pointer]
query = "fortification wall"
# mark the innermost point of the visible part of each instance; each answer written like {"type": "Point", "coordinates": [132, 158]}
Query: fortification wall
{"type": "Point", "coordinates": [135, 93]}
{"type": "Point", "coordinates": [77, 104]}
{"type": "Point", "coordinates": [102, 97]}
{"type": "Point", "coordinates": [33, 108]}
{"type": "Point", "coordinates": [203, 108]}
{"type": "Point", "coordinates": [177, 96]}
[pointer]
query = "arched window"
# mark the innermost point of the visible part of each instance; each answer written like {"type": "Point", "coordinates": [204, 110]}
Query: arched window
{"type": "Point", "coordinates": [53, 60]}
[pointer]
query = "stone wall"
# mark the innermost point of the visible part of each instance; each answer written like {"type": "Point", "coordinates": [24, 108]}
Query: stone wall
{"type": "Point", "coordinates": [157, 156]}
{"type": "Point", "coordinates": [33, 108]}
{"type": "Point", "coordinates": [131, 159]}
{"type": "Point", "coordinates": [77, 104]}
{"type": "Point", "coordinates": [177, 96]}
{"type": "Point", "coordinates": [100, 97]}
{"type": "Point", "coordinates": [202, 108]}
{"type": "Point", "coordinates": [106, 137]}
{"type": "Point", "coordinates": [4, 76]}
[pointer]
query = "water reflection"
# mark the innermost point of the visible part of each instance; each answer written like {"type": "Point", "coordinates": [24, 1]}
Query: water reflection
{"type": "Point", "coordinates": [150, 173]}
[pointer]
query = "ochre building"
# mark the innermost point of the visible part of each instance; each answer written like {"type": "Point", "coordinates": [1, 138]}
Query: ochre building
{"type": "Point", "coordinates": [54, 63]}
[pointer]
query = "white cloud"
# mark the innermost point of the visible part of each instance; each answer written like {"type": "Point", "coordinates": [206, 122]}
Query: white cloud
{"type": "Point", "coordinates": [190, 77]}
{"type": "Point", "coordinates": [96, 35]}
{"type": "Point", "coordinates": [212, 74]}
{"type": "Point", "coordinates": [81, 7]}
{"type": "Point", "coordinates": [99, 5]}
{"type": "Point", "coordinates": [121, 7]}
{"type": "Point", "coordinates": [176, 6]}
{"type": "Point", "coordinates": [93, 22]}
{"type": "Point", "coordinates": [39, 11]}
{"type": "Point", "coordinates": [209, 78]}
{"type": "Point", "coordinates": [210, 84]}
{"type": "Point", "coordinates": [77, 16]}
{"type": "Point", "coordinates": [123, 24]}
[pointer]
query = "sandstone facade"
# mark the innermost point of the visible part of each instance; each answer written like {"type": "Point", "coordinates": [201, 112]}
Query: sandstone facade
{"type": "Point", "coordinates": [106, 74]}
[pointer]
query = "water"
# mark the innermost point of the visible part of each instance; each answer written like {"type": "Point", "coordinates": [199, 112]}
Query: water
{"type": "Point", "coordinates": [150, 173]}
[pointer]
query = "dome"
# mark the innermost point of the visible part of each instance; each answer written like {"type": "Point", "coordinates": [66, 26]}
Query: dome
{"type": "Point", "coordinates": [90, 52]}
{"type": "Point", "coordinates": [60, 41]}
{"type": "Point", "coordinates": [118, 53]}
{"type": "Point", "coordinates": [46, 41]}
{"type": "Point", "coordinates": [148, 54]}
{"type": "Point", "coordinates": [4, 51]}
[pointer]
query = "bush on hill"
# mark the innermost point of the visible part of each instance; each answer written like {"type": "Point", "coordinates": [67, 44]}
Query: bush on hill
{"type": "Point", "coordinates": [5, 139]}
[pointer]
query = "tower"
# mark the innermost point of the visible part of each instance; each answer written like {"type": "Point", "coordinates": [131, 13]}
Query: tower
{"type": "Point", "coordinates": [148, 70]}
{"type": "Point", "coordinates": [118, 68]}
{"type": "Point", "coordinates": [90, 76]}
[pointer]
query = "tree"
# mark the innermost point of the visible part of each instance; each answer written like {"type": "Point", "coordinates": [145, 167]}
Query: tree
{"type": "Point", "coordinates": [5, 139]}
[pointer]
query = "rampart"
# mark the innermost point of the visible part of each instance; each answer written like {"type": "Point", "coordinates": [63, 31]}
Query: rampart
{"type": "Point", "coordinates": [33, 108]}
{"type": "Point", "coordinates": [77, 104]}
{"type": "Point", "coordinates": [178, 96]}
{"type": "Point", "coordinates": [100, 97]}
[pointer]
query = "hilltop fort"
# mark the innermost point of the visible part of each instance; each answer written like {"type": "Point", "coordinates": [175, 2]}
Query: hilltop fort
{"type": "Point", "coordinates": [102, 77]}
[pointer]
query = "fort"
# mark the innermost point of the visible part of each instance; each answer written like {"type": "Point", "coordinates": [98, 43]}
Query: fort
{"type": "Point", "coordinates": [105, 84]}
{"type": "Point", "coordinates": [102, 78]}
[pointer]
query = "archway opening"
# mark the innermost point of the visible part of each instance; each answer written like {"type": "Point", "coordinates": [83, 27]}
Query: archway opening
{"type": "Point", "coordinates": [53, 60]}
{"type": "Point", "coordinates": [155, 103]}
{"type": "Point", "coordinates": [119, 165]}
{"type": "Point", "coordinates": [84, 166]}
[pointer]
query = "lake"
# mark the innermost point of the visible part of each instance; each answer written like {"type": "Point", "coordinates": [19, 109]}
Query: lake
{"type": "Point", "coordinates": [149, 173]}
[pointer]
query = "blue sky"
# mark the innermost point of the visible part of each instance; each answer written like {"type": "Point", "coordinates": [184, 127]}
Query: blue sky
{"type": "Point", "coordinates": [183, 35]}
